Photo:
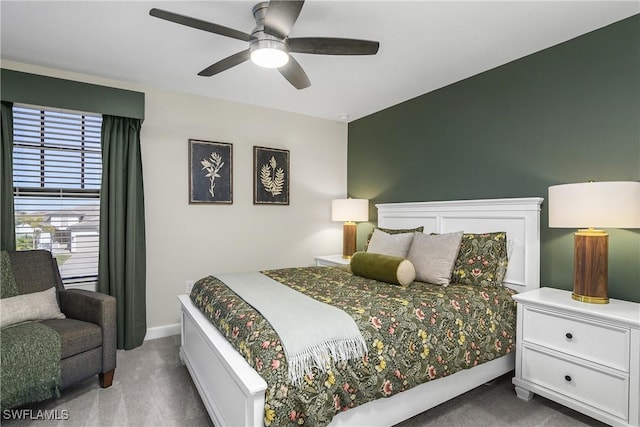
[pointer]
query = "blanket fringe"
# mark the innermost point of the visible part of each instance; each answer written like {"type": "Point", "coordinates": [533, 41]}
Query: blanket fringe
{"type": "Point", "coordinates": [323, 356]}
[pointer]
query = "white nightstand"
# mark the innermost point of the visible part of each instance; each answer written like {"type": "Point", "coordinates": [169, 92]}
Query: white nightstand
{"type": "Point", "coordinates": [331, 260]}
{"type": "Point", "coordinates": [584, 356]}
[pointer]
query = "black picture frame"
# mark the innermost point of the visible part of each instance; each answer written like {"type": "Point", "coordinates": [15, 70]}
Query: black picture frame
{"type": "Point", "coordinates": [210, 172]}
{"type": "Point", "coordinates": [270, 176]}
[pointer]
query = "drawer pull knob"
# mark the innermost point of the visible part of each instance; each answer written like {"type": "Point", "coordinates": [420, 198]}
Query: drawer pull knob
{"type": "Point", "coordinates": [569, 335]}
{"type": "Point", "coordinates": [568, 378]}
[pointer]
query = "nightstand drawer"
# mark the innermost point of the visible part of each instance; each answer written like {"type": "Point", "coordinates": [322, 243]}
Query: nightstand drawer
{"type": "Point", "coordinates": [600, 343]}
{"type": "Point", "coordinates": [603, 390]}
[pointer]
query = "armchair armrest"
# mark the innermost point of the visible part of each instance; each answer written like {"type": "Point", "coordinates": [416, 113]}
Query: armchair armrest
{"type": "Point", "coordinates": [96, 308]}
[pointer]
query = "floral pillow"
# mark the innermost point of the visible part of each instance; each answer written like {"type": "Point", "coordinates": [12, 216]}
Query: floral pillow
{"type": "Point", "coordinates": [482, 259]}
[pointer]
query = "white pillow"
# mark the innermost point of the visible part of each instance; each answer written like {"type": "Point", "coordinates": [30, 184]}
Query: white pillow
{"type": "Point", "coordinates": [390, 244]}
{"type": "Point", "coordinates": [433, 256]}
{"type": "Point", "coordinates": [34, 306]}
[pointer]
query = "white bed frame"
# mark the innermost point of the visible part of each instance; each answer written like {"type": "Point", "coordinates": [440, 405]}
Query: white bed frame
{"type": "Point", "coordinates": [233, 392]}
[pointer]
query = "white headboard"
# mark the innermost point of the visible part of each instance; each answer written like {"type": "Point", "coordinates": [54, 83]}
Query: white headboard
{"type": "Point", "coordinates": [520, 218]}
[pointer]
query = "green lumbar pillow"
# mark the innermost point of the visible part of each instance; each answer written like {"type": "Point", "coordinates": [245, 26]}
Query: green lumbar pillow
{"type": "Point", "coordinates": [384, 268]}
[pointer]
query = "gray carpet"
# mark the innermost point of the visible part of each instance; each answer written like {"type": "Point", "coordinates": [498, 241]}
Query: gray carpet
{"type": "Point", "coordinates": [152, 388]}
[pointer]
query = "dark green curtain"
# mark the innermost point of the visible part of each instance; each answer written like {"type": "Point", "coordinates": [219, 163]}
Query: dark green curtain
{"type": "Point", "coordinates": [7, 220]}
{"type": "Point", "coordinates": [122, 263]}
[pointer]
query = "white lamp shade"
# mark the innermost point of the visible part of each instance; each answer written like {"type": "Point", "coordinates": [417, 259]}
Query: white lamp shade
{"type": "Point", "coordinates": [350, 210]}
{"type": "Point", "coordinates": [614, 204]}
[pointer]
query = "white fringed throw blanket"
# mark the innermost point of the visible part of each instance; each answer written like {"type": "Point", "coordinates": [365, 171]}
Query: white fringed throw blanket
{"type": "Point", "coordinates": [313, 334]}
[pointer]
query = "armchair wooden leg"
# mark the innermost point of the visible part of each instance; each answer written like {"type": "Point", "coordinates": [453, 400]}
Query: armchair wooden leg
{"type": "Point", "coordinates": [106, 378]}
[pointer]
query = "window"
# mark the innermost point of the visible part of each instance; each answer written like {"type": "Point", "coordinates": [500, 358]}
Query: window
{"type": "Point", "coordinates": [57, 169]}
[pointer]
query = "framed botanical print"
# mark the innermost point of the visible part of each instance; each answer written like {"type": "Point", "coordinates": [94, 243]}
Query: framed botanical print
{"type": "Point", "coordinates": [270, 176]}
{"type": "Point", "coordinates": [210, 172]}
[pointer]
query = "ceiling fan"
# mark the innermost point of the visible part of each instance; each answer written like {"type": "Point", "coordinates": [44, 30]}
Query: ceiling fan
{"type": "Point", "coordinates": [269, 42]}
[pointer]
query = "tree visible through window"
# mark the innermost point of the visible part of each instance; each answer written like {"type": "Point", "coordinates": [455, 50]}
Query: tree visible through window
{"type": "Point", "coordinates": [57, 169]}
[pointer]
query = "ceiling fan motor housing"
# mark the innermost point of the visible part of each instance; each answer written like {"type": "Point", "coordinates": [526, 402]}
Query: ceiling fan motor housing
{"type": "Point", "coordinates": [266, 43]}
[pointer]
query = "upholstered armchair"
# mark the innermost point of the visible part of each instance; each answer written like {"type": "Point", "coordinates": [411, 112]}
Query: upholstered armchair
{"type": "Point", "coordinates": [88, 331]}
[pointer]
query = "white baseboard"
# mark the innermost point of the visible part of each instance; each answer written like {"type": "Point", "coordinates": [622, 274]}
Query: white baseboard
{"type": "Point", "coordinates": [162, 331]}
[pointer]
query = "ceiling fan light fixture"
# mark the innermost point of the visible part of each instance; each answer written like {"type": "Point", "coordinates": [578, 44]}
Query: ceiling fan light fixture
{"type": "Point", "coordinates": [269, 53]}
{"type": "Point", "coordinates": [269, 57]}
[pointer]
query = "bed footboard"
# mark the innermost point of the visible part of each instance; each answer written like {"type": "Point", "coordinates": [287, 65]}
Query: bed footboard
{"type": "Point", "coordinates": [402, 406]}
{"type": "Point", "coordinates": [231, 390]}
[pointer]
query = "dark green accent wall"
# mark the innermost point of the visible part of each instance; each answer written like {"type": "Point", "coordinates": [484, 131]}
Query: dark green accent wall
{"type": "Point", "coordinates": [19, 87]}
{"type": "Point", "coordinates": [570, 113]}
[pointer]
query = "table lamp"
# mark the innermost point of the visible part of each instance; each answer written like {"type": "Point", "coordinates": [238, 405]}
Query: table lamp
{"type": "Point", "coordinates": [349, 211]}
{"type": "Point", "coordinates": [586, 206]}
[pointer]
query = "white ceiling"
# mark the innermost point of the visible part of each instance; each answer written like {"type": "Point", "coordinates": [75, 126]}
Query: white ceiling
{"type": "Point", "coordinates": [424, 45]}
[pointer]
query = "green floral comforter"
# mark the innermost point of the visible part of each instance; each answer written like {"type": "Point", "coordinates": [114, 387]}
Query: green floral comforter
{"type": "Point", "coordinates": [414, 334]}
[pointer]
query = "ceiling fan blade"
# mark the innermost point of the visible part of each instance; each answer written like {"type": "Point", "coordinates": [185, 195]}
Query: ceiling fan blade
{"type": "Point", "coordinates": [225, 64]}
{"type": "Point", "coordinates": [294, 73]}
{"type": "Point", "coordinates": [280, 17]}
{"type": "Point", "coordinates": [333, 46]}
{"type": "Point", "coordinates": [199, 24]}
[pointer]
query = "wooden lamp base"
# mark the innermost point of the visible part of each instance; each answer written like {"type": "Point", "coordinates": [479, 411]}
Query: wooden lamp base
{"type": "Point", "coordinates": [590, 266]}
{"type": "Point", "coordinates": [348, 239]}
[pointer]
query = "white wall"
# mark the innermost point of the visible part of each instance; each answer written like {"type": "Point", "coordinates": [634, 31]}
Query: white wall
{"type": "Point", "coordinates": [186, 242]}
{"type": "Point", "coordinates": [190, 241]}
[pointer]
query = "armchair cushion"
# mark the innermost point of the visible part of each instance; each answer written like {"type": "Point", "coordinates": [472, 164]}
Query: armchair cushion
{"type": "Point", "coordinates": [76, 336]}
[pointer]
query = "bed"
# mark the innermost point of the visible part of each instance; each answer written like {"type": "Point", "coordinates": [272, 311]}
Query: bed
{"type": "Point", "coordinates": [234, 393]}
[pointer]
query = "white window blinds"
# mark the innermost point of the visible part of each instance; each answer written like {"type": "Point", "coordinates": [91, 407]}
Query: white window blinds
{"type": "Point", "coordinates": [57, 169]}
